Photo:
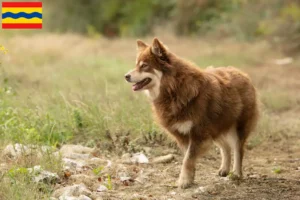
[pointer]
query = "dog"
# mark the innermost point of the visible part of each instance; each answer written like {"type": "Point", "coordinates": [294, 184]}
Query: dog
{"type": "Point", "coordinates": [197, 107]}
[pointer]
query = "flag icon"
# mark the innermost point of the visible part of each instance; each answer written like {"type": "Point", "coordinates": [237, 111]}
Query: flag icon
{"type": "Point", "coordinates": [22, 15]}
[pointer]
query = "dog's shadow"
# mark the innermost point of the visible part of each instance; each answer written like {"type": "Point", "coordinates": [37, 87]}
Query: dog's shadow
{"type": "Point", "coordinates": [250, 188]}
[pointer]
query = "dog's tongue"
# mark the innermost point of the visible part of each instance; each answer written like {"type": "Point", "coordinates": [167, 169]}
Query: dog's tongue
{"type": "Point", "coordinates": [140, 84]}
{"type": "Point", "coordinates": [136, 87]}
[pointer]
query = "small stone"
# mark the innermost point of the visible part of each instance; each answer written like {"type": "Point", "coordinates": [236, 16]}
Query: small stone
{"type": "Point", "coordinates": [102, 188]}
{"type": "Point", "coordinates": [15, 151]}
{"type": "Point", "coordinates": [75, 151]}
{"type": "Point", "coordinates": [36, 169]}
{"type": "Point", "coordinates": [135, 158]}
{"type": "Point", "coordinates": [139, 158]}
{"type": "Point", "coordinates": [99, 162]}
{"type": "Point", "coordinates": [254, 176]}
{"type": "Point", "coordinates": [40, 175]}
{"type": "Point", "coordinates": [225, 178]}
{"type": "Point", "coordinates": [126, 178]}
{"type": "Point", "coordinates": [83, 197]}
{"type": "Point", "coordinates": [284, 61]}
{"type": "Point", "coordinates": [46, 177]}
{"type": "Point", "coordinates": [67, 198]}
{"type": "Point", "coordinates": [163, 159]}
{"type": "Point", "coordinates": [85, 179]}
{"type": "Point", "coordinates": [71, 191]}
{"type": "Point", "coordinates": [201, 189]}
{"type": "Point", "coordinates": [73, 164]}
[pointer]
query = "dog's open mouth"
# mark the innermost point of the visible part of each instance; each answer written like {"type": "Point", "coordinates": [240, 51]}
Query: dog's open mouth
{"type": "Point", "coordinates": [139, 85]}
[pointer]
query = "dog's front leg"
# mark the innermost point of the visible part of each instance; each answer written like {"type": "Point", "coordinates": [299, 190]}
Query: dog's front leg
{"type": "Point", "coordinates": [187, 173]}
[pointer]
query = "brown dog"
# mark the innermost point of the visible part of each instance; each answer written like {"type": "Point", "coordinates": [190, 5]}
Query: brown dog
{"type": "Point", "coordinates": [197, 106]}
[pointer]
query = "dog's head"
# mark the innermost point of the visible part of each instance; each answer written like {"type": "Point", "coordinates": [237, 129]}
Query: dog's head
{"type": "Point", "coordinates": [150, 64]}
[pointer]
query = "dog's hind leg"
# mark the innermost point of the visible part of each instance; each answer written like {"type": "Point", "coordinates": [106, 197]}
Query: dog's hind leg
{"type": "Point", "coordinates": [244, 127]}
{"type": "Point", "coordinates": [236, 145]}
{"type": "Point", "coordinates": [238, 151]}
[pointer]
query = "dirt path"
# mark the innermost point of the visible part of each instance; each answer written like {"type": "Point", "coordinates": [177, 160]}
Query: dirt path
{"type": "Point", "coordinates": [271, 171]}
{"type": "Point", "coordinates": [260, 179]}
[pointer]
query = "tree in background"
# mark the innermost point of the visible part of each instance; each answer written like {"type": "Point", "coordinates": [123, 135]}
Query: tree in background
{"type": "Point", "coordinates": [276, 20]}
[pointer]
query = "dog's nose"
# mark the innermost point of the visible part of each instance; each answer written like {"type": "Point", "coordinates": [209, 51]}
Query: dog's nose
{"type": "Point", "coordinates": [127, 77]}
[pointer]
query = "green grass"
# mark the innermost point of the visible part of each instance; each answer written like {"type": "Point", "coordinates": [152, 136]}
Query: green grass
{"type": "Point", "coordinates": [16, 182]}
{"type": "Point", "coordinates": [239, 60]}
{"type": "Point", "coordinates": [87, 98]}
{"type": "Point", "coordinates": [277, 101]}
{"type": "Point", "coordinates": [48, 96]}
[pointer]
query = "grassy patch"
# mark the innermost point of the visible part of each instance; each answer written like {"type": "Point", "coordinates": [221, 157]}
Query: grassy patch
{"type": "Point", "coordinates": [277, 101]}
{"type": "Point", "coordinates": [60, 96]}
{"type": "Point", "coordinates": [221, 59]}
{"type": "Point", "coordinates": [16, 182]}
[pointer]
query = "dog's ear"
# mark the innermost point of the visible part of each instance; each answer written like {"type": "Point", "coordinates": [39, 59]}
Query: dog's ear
{"type": "Point", "coordinates": [158, 48]}
{"type": "Point", "coordinates": [140, 45]}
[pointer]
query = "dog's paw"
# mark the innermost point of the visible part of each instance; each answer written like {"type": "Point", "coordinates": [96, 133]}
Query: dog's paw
{"type": "Point", "coordinates": [184, 182]}
{"type": "Point", "coordinates": [235, 176]}
{"type": "Point", "coordinates": [223, 172]}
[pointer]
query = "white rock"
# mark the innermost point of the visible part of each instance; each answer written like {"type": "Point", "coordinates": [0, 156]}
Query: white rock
{"type": "Point", "coordinates": [64, 197]}
{"type": "Point", "coordinates": [16, 151]}
{"type": "Point", "coordinates": [78, 156]}
{"type": "Point", "coordinates": [75, 151]}
{"type": "Point", "coordinates": [200, 190]}
{"type": "Point", "coordinates": [73, 164]}
{"type": "Point", "coordinates": [254, 176]}
{"type": "Point", "coordinates": [139, 158]}
{"type": "Point", "coordinates": [102, 188]}
{"type": "Point", "coordinates": [72, 191]}
{"type": "Point", "coordinates": [47, 177]}
{"type": "Point", "coordinates": [125, 178]}
{"type": "Point", "coordinates": [225, 178]}
{"type": "Point", "coordinates": [36, 169]}
{"type": "Point", "coordinates": [284, 61]}
{"type": "Point", "coordinates": [81, 197]}
{"type": "Point", "coordinates": [40, 175]}
{"type": "Point", "coordinates": [108, 163]}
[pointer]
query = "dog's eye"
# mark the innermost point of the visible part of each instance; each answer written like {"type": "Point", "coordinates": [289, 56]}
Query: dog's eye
{"type": "Point", "coordinates": [144, 66]}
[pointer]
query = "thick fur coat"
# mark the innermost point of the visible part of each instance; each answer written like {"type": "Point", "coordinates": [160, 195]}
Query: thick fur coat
{"type": "Point", "coordinates": [197, 106]}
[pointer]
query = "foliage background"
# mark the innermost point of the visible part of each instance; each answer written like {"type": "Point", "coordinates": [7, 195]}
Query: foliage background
{"type": "Point", "coordinates": [276, 20]}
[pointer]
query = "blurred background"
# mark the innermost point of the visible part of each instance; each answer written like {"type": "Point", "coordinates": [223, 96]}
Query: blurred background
{"type": "Point", "coordinates": [64, 83]}
{"type": "Point", "coordinates": [275, 20]}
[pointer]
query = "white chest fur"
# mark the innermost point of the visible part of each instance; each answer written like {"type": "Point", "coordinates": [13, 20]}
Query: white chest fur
{"type": "Point", "coordinates": [183, 127]}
